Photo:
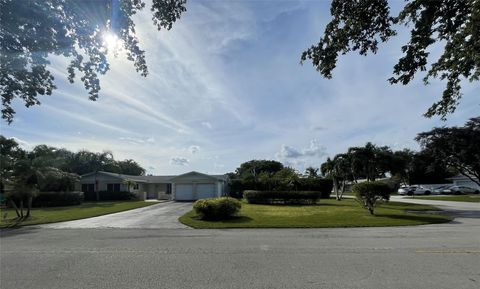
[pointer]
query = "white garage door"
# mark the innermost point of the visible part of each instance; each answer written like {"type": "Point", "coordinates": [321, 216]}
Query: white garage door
{"type": "Point", "coordinates": [206, 191]}
{"type": "Point", "coordinates": [184, 192]}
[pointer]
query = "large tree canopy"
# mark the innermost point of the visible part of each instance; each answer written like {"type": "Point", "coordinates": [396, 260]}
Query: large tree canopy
{"type": "Point", "coordinates": [360, 25]}
{"type": "Point", "coordinates": [457, 147]}
{"type": "Point", "coordinates": [31, 30]}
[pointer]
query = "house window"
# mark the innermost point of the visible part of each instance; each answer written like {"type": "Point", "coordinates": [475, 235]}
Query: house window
{"type": "Point", "coordinates": [135, 186]}
{"type": "Point", "coordinates": [169, 189]}
{"type": "Point", "coordinates": [88, 188]}
{"type": "Point", "coordinates": [113, 188]}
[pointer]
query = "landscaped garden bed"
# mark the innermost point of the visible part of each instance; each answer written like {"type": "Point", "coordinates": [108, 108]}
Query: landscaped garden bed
{"type": "Point", "coordinates": [326, 214]}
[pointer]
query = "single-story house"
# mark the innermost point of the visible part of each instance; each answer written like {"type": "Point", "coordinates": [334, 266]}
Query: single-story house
{"type": "Point", "coordinates": [186, 187]}
{"type": "Point", "coordinates": [461, 180]}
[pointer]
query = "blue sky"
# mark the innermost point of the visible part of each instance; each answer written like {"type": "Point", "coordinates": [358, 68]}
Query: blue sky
{"type": "Point", "coordinates": [225, 86]}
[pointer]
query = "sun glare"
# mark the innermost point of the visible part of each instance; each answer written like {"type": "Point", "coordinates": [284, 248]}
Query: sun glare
{"type": "Point", "coordinates": [111, 41]}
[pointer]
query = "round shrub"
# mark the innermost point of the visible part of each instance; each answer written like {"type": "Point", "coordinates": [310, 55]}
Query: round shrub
{"type": "Point", "coordinates": [369, 194]}
{"type": "Point", "coordinates": [217, 208]}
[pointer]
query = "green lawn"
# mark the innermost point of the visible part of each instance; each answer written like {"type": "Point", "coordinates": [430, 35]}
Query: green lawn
{"type": "Point", "coordinates": [455, 198]}
{"type": "Point", "coordinates": [327, 214]}
{"type": "Point", "coordinates": [58, 214]}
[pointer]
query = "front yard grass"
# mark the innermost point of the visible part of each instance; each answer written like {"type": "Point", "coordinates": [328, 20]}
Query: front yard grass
{"type": "Point", "coordinates": [327, 214]}
{"type": "Point", "coordinates": [60, 214]}
{"type": "Point", "coordinates": [454, 198]}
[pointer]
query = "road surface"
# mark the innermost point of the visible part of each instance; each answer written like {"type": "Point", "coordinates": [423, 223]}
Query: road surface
{"type": "Point", "coordinates": [431, 256]}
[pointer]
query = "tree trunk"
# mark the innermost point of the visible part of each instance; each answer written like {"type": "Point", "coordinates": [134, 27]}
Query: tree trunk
{"type": "Point", "coordinates": [15, 207]}
{"type": "Point", "coordinates": [335, 187]}
{"type": "Point", "coordinates": [21, 208]}
{"type": "Point", "coordinates": [342, 190]}
{"type": "Point", "coordinates": [29, 208]}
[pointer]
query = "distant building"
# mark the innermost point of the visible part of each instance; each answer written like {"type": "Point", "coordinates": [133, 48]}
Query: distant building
{"type": "Point", "coordinates": [461, 180]}
{"type": "Point", "coordinates": [186, 187]}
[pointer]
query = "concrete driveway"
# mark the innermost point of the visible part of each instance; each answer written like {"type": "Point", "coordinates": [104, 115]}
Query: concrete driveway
{"type": "Point", "coordinates": [464, 212]}
{"type": "Point", "coordinates": [160, 216]}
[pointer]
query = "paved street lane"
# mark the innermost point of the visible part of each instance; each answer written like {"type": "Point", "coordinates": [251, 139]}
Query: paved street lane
{"type": "Point", "coordinates": [431, 256]}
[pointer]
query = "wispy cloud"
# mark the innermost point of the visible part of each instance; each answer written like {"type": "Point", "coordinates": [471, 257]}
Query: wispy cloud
{"type": "Point", "coordinates": [225, 86]}
{"type": "Point", "coordinates": [193, 149]}
{"type": "Point", "coordinates": [179, 161]}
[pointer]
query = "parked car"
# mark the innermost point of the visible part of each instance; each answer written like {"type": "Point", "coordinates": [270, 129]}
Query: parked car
{"type": "Point", "coordinates": [414, 190]}
{"type": "Point", "coordinates": [458, 190]}
{"type": "Point", "coordinates": [441, 190]}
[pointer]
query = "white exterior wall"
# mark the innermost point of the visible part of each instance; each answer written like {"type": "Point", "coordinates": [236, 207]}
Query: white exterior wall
{"type": "Point", "coordinates": [466, 183]}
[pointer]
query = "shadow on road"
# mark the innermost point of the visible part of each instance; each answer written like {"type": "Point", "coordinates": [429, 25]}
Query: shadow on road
{"type": "Point", "coordinates": [10, 232]}
{"type": "Point", "coordinates": [417, 218]}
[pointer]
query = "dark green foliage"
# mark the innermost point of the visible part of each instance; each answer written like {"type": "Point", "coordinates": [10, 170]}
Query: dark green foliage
{"type": "Point", "coordinates": [269, 175]}
{"type": "Point", "coordinates": [362, 24]}
{"type": "Point", "coordinates": [324, 186]}
{"type": "Point", "coordinates": [425, 169]}
{"type": "Point", "coordinates": [217, 208]}
{"type": "Point", "coordinates": [79, 163]}
{"type": "Point", "coordinates": [369, 194]}
{"type": "Point", "coordinates": [251, 169]}
{"type": "Point", "coordinates": [110, 196]}
{"type": "Point", "coordinates": [31, 30]}
{"type": "Point", "coordinates": [457, 147]}
{"type": "Point", "coordinates": [237, 186]}
{"type": "Point", "coordinates": [275, 183]}
{"type": "Point", "coordinates": [55, 180]}
{"type": "Point", "coordinates": [282, 197]}
{"type": "Point", "coordinates": [56, 199]}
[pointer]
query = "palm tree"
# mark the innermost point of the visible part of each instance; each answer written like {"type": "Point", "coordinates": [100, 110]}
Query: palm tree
{"type": "Point", "coordinates": [311, 172]}
{"type": "Point", "coordinates": [129, 183]}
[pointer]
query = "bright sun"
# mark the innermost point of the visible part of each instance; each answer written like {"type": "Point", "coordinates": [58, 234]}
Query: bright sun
{"type": "Point", "coordinates": [111, 41]}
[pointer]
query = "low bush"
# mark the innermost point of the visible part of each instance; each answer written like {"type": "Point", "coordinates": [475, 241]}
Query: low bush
{"type": "Point", "coordinates": [217, 208]}
{"type": "Point", "coordinates": [282, 197]}
{"type": "Point", "coordinates": [110, 196]}
{"type": "Point", "coordinates": [57, 199]}
{"type": "Point", "coordinates": [369, 194]}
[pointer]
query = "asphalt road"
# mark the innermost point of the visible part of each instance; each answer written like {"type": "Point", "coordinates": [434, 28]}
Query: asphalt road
{"type": "Point", "coordinates": [431, 256]}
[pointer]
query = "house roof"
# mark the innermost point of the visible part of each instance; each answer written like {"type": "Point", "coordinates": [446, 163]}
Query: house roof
{"type": "Point", "coordinates": [152, 179]}
{"type": "Point", "coordinates": [216, 177]}
{"type": "Point", "coordinates": [461, 177]}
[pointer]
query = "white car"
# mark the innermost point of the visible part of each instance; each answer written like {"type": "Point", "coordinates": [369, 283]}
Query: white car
{"type": "Point", "coordinates": [414, 190]}
{"type": "Point", "coordinates": [458, 190]}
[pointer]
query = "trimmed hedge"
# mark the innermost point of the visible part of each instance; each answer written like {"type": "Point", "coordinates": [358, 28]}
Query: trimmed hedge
{"type": "Point", "coordinates": [239, 186]}
{"type": "Point", "coordinates": [57, 199]}
{"type": "Point", "coordinates": [110, 196]}
{"type": "Point", "coordinates": [369, 194]}
{"type": "Point", "coordinates": [217, 208]}
{"type": "Point", "coordinates": [324, 186]}
{"type": "Point", "coordinates": [282, 197]}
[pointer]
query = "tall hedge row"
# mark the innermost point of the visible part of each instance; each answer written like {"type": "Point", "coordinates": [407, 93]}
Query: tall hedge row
{"type": "Point", "coordinates": [281, 197]}
{"type": "Point", "coordinates": [324, 186]}
{"type": "Point", "coordinates": [110, 196]}
{"type": "Point", "coordinates": [57, 199]}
